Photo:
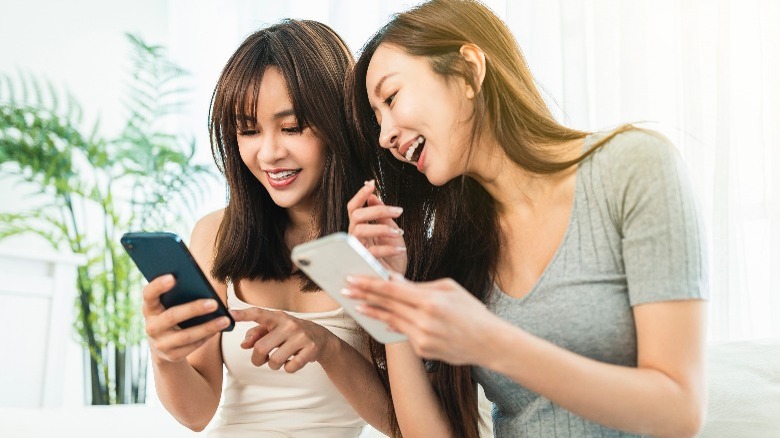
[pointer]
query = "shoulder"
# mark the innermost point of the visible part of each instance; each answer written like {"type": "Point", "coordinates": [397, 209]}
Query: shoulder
{"type": "Point", "coordinates": [204, 238]}
{"type": "Point", "coordinates": [636, 148]}
{"type": "Point", "coordinates": [636, 156]}
{"type": "Point", "coordinates": [206, 227]}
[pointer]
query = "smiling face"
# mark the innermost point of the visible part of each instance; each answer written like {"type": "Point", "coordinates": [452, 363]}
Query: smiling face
{"type": "Point", "coordinates": [285, 158]}
{"type": "Point", "coordinates": [424, 119]}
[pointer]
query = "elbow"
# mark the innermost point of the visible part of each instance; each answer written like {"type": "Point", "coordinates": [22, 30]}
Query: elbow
{"type": "Point", "coordinates": [690, 423]}
{"type": "Point", "coordinates": [195, 426]}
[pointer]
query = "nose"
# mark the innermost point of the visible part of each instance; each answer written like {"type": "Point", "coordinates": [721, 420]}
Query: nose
{"type": "Point", "coordinates": [388, 134]}
{"type": "Point", "coordinates": [270, 149]}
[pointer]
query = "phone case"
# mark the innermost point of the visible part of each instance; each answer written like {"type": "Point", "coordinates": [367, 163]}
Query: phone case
{"type": "Point", "coordinates": [329, 260]}
{"type": "Point", "coordinates": [157, 254]}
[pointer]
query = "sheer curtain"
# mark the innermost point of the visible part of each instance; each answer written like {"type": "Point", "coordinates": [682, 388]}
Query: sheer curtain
{"type": "Point", "coordinates": [704, 72]}
{"type": "Point", "coordinates": [707, 74]}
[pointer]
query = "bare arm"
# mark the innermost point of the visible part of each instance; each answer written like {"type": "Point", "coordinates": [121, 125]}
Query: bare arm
{"type": "Point", "coordinates": [416, 405]}
{"type": "Point", "coordinates": [187, 364]}
{"type": "Point", "coordinates": [663, 396]}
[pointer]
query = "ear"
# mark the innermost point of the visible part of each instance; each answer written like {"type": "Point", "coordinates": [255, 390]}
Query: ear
{"type": "Point", "coordinates": [475, 57]}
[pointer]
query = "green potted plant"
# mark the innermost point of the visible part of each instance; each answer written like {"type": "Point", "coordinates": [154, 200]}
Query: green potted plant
{"type": "Point", "coordinates": [91, 189]}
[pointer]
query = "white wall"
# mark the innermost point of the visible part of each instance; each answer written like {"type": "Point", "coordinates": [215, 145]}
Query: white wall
{"type": "Point", "coordinates": [80, 46]}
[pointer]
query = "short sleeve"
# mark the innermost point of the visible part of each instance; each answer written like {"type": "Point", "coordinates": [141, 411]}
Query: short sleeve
{"type": "Point", "coordinates": [662, 232]}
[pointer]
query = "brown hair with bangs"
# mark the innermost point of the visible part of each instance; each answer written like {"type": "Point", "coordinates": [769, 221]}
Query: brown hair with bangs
{"type": "Point", "coordinates": [453, 230]}
{"type": "Point", "coordinates": [314, 62]}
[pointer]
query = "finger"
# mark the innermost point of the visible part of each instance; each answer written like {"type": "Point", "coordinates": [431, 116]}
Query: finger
{"type": "Point", "coordinates": [364, 230]}
{"type": "Point", "coordinates": [171, 317]}
{"type": "Point", "coordinates": [285, 352]}
{"type": "Point", "coordinates": [264, 345]}
{"type": "Point", "coordinates": [256, 314]}
{"type": "Point", "coordinates": [361, 197]}
{"type": "Point", "coordinates": [152, 291]}
{"type": "Point", "coordinates": [383, 251]}
{"type": "Point", "coordinates": [299, 360]}
{"type": "Point", "coordinates": [192, 335]}
{"type": "Point", "coordinates": [375, 213]}
{"type": "Point", "coordinates": [253, 335]}
{"type": "Point", "coordinates": [397, 288]}
{"type": "Point", "coordinates": [394, 320]}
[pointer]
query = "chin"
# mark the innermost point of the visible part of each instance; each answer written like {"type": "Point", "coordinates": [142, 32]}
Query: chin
{"type": "Point", "coordinates": [437, 180]}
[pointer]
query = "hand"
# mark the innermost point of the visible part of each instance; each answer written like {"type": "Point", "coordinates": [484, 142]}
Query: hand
{"type": "Point", "coordinates": [167, 341]}
{"type": "Point", "coordinates": [283, 340]}
{"type": "Point", "coordinates": [442, 320]}
{"type": "Point", "coordinates": [372, 222]}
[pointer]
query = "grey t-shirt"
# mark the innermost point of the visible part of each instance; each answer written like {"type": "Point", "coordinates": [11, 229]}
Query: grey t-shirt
{"type": "Point", "coordinates": [634, 236]}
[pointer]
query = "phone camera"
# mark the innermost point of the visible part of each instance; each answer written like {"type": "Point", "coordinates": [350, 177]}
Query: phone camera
{"type": "Point", "coordinates": [129, 246]}
{"type": "Point", "coordinates": [304, 262]}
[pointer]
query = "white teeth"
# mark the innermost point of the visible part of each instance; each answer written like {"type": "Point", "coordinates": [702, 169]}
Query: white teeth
{"type": "Point", "coordinates": [410, 152]}
{"type": "Point", "coordinates": [283, 174]}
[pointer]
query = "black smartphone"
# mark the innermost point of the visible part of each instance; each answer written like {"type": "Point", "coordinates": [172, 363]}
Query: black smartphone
{"type": "Point", "coordinates": [162, 253]}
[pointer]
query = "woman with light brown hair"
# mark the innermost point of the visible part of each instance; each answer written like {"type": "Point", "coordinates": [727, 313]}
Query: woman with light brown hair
{"type": "Point", "coordinates": [562, 270]}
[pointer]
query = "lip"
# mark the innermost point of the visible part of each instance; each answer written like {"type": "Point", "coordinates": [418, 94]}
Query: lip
{"type": "Point", "coordinates": [277, 184]}
{"type": "Point", "coordinates": [405, 147]}
{"type": "Point", "coordinates": [421, 161]}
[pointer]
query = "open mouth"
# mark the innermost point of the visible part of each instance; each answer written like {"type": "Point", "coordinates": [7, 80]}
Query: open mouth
{"type": "Point", "coordinates": [283, 175]}
{"type": "Point", "coordinates": [415, 150]}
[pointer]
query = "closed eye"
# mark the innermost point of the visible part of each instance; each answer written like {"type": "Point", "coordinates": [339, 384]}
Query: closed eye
{"type": "Point", "coordinates": [390, 99]}
{"type": "Point", "coordinates": [293, 130]}
{"type": "Point", "coordinates": [247, 132]}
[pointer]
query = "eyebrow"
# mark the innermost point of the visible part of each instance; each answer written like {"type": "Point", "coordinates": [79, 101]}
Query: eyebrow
{"type": "Point", "coordinates": [381, 81]}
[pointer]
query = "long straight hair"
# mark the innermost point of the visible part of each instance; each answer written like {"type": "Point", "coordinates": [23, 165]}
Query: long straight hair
{"type": "Point", "coordinates": [314, 62]}
{"type": "Point", "coordinates": [453, 230]}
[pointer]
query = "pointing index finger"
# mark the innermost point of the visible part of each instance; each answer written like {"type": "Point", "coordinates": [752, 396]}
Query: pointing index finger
{"type": "Point", "coordinates": [256, 314]}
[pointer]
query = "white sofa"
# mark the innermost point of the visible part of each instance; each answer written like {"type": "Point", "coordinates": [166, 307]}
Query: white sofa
{"type": "Point", "coordinates": [744, 390]}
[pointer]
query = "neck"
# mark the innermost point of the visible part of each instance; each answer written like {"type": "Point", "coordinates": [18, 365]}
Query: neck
{"type": "Point", "coordinates": [514, 187]}
{"type": "Point", "coordinates": [302, 226]}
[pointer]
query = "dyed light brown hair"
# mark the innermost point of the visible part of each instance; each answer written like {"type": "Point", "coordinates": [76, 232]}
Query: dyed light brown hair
{"type": "Point", "coordinates": [453, 230]}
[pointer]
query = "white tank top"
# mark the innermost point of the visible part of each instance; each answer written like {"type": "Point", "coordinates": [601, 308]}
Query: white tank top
{"type": "Point", "coordinates": [259, 402]}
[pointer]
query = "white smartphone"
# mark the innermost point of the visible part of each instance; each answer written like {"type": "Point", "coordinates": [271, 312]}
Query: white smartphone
{"type": "Point", "coordinates": [329, 260]}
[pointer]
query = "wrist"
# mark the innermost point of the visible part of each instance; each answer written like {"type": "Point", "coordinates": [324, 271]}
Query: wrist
{"type": "Point", "coordinates": [504, 340]}
{"type": "Point", "coordinates": [331, 349]}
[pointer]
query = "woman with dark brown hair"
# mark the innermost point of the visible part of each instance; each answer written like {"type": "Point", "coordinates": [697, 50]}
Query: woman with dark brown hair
{"type": "Point", "coordinates": [562, 270]}
{"type": "Point", "coordinates": [296, 363]}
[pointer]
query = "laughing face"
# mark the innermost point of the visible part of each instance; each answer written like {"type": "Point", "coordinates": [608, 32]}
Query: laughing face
{"type": "Point", "coordinates": [424, 119]}
{"type": "Point", "coordinates": [287, 160]}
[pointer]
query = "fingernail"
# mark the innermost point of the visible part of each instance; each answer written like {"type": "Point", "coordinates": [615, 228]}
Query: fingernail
{"type": "Point", "coordinates": [210, 305]}
{"type": "Point", "coordinates": [248, 335]}
{"type": "Point", "coordinates": [346, 292]}
{"type": "Point", "coordinates": [223, 322]}
{"type": "Point", "coordinates": [398, 231]}
{"type": "Point", "coordinates": [400, 249]}
{"type": "Point", "coordinates": [396, 210]}
{"type": "Point", "coordinates": [167, 280]}
{"type": "Point", "coordinates": [350, 279]}
{"type": "Point", "coordinates": [362, 308]}
{"type": "Point", "coordinates": [370, 182]}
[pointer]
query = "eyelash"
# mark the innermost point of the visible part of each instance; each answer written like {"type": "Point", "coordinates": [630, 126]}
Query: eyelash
{"type": "Point", "coordinates": [390, 99]}
{"type": "Point", "coordinates": [251, 132]}
{"type": "Point", "coordinates": [295, 130]}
